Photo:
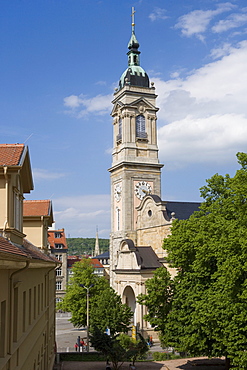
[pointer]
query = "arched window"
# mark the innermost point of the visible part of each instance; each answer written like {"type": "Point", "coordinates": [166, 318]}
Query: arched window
{"type": "Point", "coordinates": [120, 127]}
{"type": "Point", "coordinates": [141, 127]}
{"type": "Point", "coordinates": [118, 218]}
{"type": "Point", "coordinates": [119, 135]}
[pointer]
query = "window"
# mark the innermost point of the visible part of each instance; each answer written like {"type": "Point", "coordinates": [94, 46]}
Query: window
{"type": "Point", "coordinates": [119, 136]}
{"type": "Point", "coordinates": [59, 246]}
{"type": "Point", "coordinates": [24, 311]}
{"type": "Point", "coordinates": [3, 313]}
{"type": "Point", "coordinates": [59, 257]}
{"type": "Point", "coordinates": [57, 235]}
{"type": "Point", "coordinates": [59, 271]}
{"type": "Point", "coordinates": [141, 127]}
{"type": "Point", "coordinates": [58, 285]}
{"type": "Point", "coordinates": [17, 210]}
{"type": "Point", "coordinates": [118, 218]}
{"type": "Point", "coordinates": [15, 314]}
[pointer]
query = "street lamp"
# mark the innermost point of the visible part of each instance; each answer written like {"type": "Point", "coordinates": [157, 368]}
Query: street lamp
{"type": "Point", "coordinates": [87, 288]}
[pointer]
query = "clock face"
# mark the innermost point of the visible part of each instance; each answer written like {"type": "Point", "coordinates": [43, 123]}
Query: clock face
{"type": "Point", "coordinates": [118, 192]}
{"type": "Point", "coordinates": [142, 188]}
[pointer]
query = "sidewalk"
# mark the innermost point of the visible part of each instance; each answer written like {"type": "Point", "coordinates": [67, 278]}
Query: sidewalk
{"type": "Point", "coordinates": [183, 364]}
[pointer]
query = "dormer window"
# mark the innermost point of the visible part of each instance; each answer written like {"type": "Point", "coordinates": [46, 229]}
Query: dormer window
{"type": "Point", "coordinates": [141, 127]}
{"type": "Point", "coordinates": [57, 235]}
{"type": "Point", "coordinates": [59, 246]}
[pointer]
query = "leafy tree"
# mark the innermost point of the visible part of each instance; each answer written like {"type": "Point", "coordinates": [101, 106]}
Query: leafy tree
{"type": "Point", "coordinates": [205, 311]}
{"type": "Point", "coordinates": [82, 246]}
{"type": "Point", "coordinates": [209, 306]}
{"type": "Point", "coordinates": [158, 298]}
{"type": "Point", "coordinates": [118, 348]}
{"type": "Point", "coordinates": [106, 309]}
{"type": "Point", "coordinates": [110, 346]}
{"type": "Point", "coordinates": [109, 312]}
{"type": "Point", "coordinates": [136, 348]}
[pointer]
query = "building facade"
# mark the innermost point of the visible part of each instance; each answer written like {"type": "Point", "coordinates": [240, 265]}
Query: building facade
{"type": "Point", "coordinates": [58, 248]}
{"type": "Point", "coordinates": [37, 218]}
{"type": "Point", "coordinates": [27, 275]}
{"type": "Point", "coordinates": [140, 220]}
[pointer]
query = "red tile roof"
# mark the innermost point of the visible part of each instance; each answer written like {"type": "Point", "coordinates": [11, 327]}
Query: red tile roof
{"type": "Point", "coordinates": [7, 247]}
{"type": "Point", "coordinates": [35, 253]}
{"type": "Point", "coordinates": [10, 154]}
{"type": "Point", "coordinates": [27, 250]}
{"type": "Point", "coordinates": [53, 241]}
{"type": "Point", "coordinates": [96, 263]}
{"type": "Point", "coordinates": [36, 207]}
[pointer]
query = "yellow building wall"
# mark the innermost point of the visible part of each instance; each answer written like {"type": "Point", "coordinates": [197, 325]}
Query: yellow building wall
{"type": "Point", "coordinates": [27, 318]}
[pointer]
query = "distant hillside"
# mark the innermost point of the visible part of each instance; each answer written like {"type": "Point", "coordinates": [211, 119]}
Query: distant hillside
{"type": "Point", "coordinates": [81, 246]}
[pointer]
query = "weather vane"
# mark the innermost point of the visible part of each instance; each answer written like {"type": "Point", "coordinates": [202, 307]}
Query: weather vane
{"type": "Point", "coordinates": [133, 18]}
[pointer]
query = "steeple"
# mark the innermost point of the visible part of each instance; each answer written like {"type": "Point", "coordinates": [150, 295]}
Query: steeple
{"type": "Point", "coordinates": [134, 75]}
{"type": "Point", "coordinates": [96, 249]}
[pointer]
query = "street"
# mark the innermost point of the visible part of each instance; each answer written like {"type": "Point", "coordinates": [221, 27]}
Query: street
{"type": "Point", "coordinates": [66, 334]}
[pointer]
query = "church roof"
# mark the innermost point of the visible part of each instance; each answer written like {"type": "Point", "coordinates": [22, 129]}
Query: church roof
{"type": "Point", "coordinates": [147, 258]}
{"type": "Point", "coordinates": [102, 255]}
{"type": "Point", "coordinates": [182, 210]}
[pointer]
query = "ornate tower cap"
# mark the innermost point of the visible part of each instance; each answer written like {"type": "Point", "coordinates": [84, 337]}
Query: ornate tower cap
{"type": "Point", "coordinates": [134, 75]}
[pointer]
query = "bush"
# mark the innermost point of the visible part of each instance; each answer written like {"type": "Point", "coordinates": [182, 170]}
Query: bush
{"type": "Point", "coordinates": [163, 356]}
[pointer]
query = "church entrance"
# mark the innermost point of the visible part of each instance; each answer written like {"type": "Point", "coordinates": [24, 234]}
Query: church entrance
{"type": "Point", "coordinates": [130, 300]}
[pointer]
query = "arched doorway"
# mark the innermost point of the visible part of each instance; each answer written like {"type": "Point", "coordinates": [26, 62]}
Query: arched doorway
{"type": "Point", "coordinates": [130, 300]}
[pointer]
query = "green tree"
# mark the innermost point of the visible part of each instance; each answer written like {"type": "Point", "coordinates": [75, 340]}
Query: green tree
{"type": "Point", "coordinates": [203, 311]}
{"type": "Point", "coordinates": [135, 348]}
{"type": "Point", "coordinates": [208, 312]}
{"type": "Point", "coordinates": [106, 309]}
{"type": "Point", "coordinates": [158, 299]}
{"type": "Point", "coordinates": [110, 346]}
{"type": "Point", "coordinates": [109, 312]}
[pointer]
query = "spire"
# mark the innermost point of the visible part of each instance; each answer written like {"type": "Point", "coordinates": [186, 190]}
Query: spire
{"type": "Point", "coordinates": [133, 44]}
{"type": "Point", "coordinates": [96, 249]}
{"type": "Point", "coordinates": [134, 74]}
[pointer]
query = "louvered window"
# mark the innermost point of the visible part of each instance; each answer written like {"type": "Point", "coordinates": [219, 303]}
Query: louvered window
{"type": "Point", "coordinates": [140, 127]}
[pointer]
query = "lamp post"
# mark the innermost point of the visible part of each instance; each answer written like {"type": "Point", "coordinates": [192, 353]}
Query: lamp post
{"type": "Point", "coordinates": [87, 288]}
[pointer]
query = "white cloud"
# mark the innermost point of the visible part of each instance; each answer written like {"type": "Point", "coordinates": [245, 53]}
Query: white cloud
{"type": "Point", "coordinates": [80, 215]}
{"type": "Point", "coordinates": [80, 106]}
{"type": "Point", "coordinates": [158, 13]}
{"type": "Point", "coordinates": [42, 174]}
{"type": "Point", "coordinates": [219, 52]}
{"type": "Point", "coordinates": [203, 117]}
{"type": "Point", "coordinates": [197, 21]}
{"type": "Point", "coordinates": [72, 101]}
{"type": "Point", "coordinates": [233, 21]}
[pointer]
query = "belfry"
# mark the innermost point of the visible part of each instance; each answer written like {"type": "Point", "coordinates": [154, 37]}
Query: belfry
{"type": "Point", "coordinates": [140, 220]}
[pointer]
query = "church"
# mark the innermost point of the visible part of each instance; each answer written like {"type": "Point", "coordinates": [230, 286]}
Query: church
{"type": "Point", "coordinates": [140, 219]}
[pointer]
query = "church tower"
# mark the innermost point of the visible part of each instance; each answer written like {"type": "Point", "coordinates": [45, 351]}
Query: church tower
{"type": "Point", "coordinates": [135, 170]}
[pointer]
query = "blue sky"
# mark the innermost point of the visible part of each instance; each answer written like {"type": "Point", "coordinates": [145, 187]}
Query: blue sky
{"type": "Point", "coordinates": [60, 63]}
